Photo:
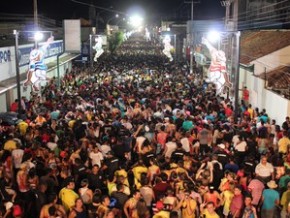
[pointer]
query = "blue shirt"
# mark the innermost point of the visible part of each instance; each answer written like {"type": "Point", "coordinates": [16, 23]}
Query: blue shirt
{"type": "Point", "coordinates": [270, 196]}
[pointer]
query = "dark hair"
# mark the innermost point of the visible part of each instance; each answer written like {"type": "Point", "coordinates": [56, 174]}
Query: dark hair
{"type": "Point", "coordinates": [51, 210]}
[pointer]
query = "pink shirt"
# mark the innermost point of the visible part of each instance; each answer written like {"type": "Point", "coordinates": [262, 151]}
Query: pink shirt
{"type": "Point", "coordinates": [256, 188]}
{"type": "Point", "coordinates": [237, 205]}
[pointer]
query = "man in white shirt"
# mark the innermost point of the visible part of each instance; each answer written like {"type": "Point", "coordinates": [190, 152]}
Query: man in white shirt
{"type": "Point", "coordinates": [96, 156]}
{"type": "Point", "coordinates": [185, 143]}
{"type": "Point", "coordinates": [170, 146]}
{"type": "Point", "coordinates": [265, 170]}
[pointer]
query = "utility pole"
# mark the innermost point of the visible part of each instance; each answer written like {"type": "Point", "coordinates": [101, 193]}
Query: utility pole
{"type": "Point", "coordinates": [192, 2]}
{"type": "Point", "coordinates": [35, 16]}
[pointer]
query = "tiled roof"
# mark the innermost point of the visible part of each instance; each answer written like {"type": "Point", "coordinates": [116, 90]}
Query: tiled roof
{"type": "Point", "coordinates": [256, 44]}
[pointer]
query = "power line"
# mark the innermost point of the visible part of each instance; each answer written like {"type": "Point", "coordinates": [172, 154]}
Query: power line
{"type": "Point", "coordinates": [99, 7]}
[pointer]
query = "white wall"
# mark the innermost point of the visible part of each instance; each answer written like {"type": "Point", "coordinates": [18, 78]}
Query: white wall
{"type": "Point", "coordinates": [3, 105]}
{"type": "Point", "coordinates": [276, 106]}
{"type": "Point", "coordinates": [272, 61]}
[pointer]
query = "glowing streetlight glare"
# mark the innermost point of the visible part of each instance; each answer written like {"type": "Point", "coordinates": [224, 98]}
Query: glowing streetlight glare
{"type": "Point", "coordinates": [213, 36]}
{"type": "Point", "coordinates": [136, 20]}
{"type": "Point", "coordinates": [38, 36]}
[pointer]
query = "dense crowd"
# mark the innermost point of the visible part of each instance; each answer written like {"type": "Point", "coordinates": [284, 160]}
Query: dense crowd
{"type": "Point", "coordinates": [140, 137]}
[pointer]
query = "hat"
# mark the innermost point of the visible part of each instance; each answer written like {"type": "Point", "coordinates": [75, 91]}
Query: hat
{"type": "Point", "coordinates": [8, 205]}
{"type": "Point", "coordinates": [272, 184]}
{"type": "Point", "coordinates": [222, 146]}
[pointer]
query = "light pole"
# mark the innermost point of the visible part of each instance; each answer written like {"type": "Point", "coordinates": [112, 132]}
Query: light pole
{"type": "Point", "coordinates": [236, 69]}
{"type": "Point", "coordinates": [16, 33]}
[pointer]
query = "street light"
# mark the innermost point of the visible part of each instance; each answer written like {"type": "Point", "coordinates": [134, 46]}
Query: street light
{"type": "Point", "coordinates": [136, 21]}
{"type": "Point", "coordinates": [38, 35]}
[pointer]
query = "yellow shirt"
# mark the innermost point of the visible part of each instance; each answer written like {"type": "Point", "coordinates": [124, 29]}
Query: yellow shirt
{"type": "Point", "coordinates": [284, 199]}
{"type": "Point", "coordinates": [123, 173]}
{"type": "Point", "coordinates": [208, 215]}
{"type": "Point", "coordinates": [71, 123]}
{"type": "Point", "coordinates": [68, 198]}
{"type": "Point", "coordinates": [110, 186]}
{"type": "Point", "coordinates": [10, 145]}
{"type": "Point", "coordinates": [251, 112]}
{"type": "Point", "coordinates": [162, 214]}
{"type": "Point", "coordinates": [188, 208]}
{"type": "Point", "coordinates": [137, 171]}
{"type": "Point", "coordinates": [283, 145]}
{"type": "Point", "coordinates": [22, 126]}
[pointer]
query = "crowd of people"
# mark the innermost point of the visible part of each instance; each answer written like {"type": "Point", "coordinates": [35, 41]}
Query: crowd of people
{"type": "Point", "coordinates": [140, 137]}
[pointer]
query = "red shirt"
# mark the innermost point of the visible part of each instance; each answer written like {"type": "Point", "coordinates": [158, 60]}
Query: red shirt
{"type": "Point", "coordinates": [246, 95]}
{"type": "Point", "coordinates": [14, 106]}
{"type": "Point", "coordinates": [228, 112]}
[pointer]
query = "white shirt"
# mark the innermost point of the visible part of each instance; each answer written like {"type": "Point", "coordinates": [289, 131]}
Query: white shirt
{"type": "Point", "coordinates": [235, 140]}
{"type": "Point", "coordinates": [17, 155]}
{"type": "Point", "coordinates": [169, 148]}
{"type": "Point", "coordinates": [51, 145]}
{"type": "Point", "coordinates": [105, 149]}
{"type": "Point", "coordinates": [96, 158]}
{"type": "Point", "coordinates": [241, 147]}
{"type": "Point", "coordinates": [185, 144]}
{"type": "Point", "coordinates": [264, 170]}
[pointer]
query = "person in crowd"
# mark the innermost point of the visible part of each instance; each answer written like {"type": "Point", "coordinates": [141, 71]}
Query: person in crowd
{"type": "Point", "coordinates": [249, 210]}
{"type": "Point", "coordinates": [208, 210]}
{"type": "Point", "coordinates": [78, 211]}
{"type": "Point", "coordinates": [265, 170]}
{"type": "Point", "coordinates": [270, 200]}
{"type": "Point", "coordinates": [67, 195]}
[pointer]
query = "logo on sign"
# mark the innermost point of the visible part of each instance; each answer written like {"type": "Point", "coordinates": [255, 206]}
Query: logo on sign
{"type": "Point", "coordinates": [5, 56]}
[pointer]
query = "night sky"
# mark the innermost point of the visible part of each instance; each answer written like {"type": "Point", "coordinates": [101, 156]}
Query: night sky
{"type": "Point", "coordinates": [154, 9]}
